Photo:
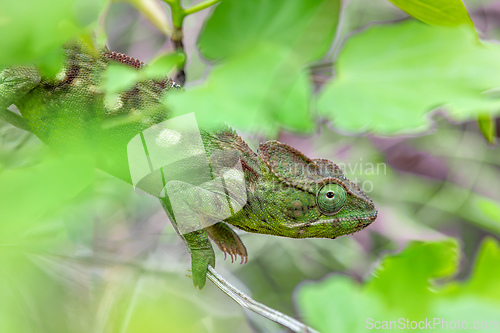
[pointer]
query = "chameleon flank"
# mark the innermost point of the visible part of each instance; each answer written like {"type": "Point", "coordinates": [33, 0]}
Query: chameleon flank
{"type": "Point", "coordinates": [285, 193]}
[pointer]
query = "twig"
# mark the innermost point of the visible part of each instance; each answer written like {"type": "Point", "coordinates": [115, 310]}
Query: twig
{"type": "Point", "coordinates": [259, 308]}
{"type": "Point", "coordinates": [14, 119]}
{"type": "Point", "coordinates": [178, 15]}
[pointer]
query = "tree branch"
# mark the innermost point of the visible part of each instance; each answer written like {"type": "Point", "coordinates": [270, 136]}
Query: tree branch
{"type": "Point", "coordinates": [14, 119]}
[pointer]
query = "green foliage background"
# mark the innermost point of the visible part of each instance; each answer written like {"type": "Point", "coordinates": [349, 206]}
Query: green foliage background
{"type": "Point", "coordinates": [397, 103]}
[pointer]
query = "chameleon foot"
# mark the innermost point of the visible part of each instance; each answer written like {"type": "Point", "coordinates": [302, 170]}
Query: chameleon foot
{"type": "Point", "coordinates": [227, 241]}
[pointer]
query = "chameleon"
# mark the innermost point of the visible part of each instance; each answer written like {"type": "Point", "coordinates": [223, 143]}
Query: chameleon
{"type": "Point", "coordinates": [285, 193]}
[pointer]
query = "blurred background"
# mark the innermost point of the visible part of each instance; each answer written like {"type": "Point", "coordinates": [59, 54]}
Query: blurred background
{"type": "Point", "coordinates": [394, 101]}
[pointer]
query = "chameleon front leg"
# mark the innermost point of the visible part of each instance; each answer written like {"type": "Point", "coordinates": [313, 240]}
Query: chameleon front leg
{"type": "Point", "coordinates": [202, 255]}
{"type": "Point", "coordinates": [14, 84]}
{"type": "Point", "coordinates": [227, 241]}
{"type": "Point", "coordinates": [198, 245]}
{"type": "Point", "coordinates": [197, 212]}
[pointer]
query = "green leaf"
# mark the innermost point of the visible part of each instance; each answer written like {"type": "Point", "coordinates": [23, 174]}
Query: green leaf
{"type": "Point", "coordinates": [390, 77]}
{"type": "Point", "coordinates": [118, 78]}
{"type": "Point", "coordinates": [262, 90]}
{"type": "Point", "coordinates": [161, 66]}
{"type": "Point", "coordinates": [31, 194]}
{"type": "Point", "coordinates": [488, 128]}
{"type": "Point", "coordinates": [30, 29]}
{"type": "Point", "coordinates": [306, 26]}
{"type": "Point", "coordinates": [488, 208]}
{"type": "Point", "coordinates": [415, 266]}
{"type": "Point", "coordinates": [333, 305]}
{"type": "Point", "coordinates": [403, 287]}
{"type": "Point", "coordinates": [436, 12]}
{"type": "Point", "coordinates": [486, 267]}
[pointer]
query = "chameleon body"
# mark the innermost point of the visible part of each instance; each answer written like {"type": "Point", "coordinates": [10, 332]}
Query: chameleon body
{"type": "Point", "coordinates": [285, 194]}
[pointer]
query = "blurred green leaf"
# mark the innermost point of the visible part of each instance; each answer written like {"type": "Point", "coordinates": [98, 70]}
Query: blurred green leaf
{"type": "Point", "coordinates": [436, 12]}
{"type": "Point", "coordinates": [161, 66]}
{"type": "Point", "coordinates": [262, 90]}
{"type": "Point", "coordinates": [403, 286]}
{"type": "Point", "coordinates": [306, 26]}
{"type": "Point", "coordinates": [27, 195]}
{"type": "Point", "coordinates": [482, 281]}
{"type": "Point", "coordinates": [174, 314]}
{"type": "Point", "coordinates": [488, 128]}
{"type": "Point", "coordinates": [447, 13]}
{"type": "Point", "coordinates": [416, 266]}
{"type": "Point", "coordinates": [336, 304]}
{"type": "Point", "coordinates": [489, 208]}
{"type": "Point", "coordinates": [31, 29]}
{"type": "Point", "coordinates": [390, 77]}
{"type": "Point", "coordinates": [118, 78]}
{"type": "Point", "coordinates": [25, 289]}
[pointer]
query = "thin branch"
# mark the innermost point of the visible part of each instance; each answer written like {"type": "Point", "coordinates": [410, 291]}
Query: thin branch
{"type": "Point", "coordinates": [178, 12]}
{"type": "Point", "coordinates": [178, 15]}
{"type": "Point", "coordinates": [14, 119]}
{"type": "Point", "coordinates": [259, 308]}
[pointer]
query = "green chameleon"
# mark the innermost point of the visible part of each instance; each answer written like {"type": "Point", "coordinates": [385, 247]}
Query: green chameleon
{"type": "Point", "coordinates": [284, 193]}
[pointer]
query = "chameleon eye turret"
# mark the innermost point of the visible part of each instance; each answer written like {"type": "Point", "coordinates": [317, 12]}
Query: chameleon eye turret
{"type": "Point", "coordinates": [331, 198]}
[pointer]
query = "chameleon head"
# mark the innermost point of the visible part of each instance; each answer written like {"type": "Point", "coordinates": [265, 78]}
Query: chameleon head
{"type": "Point", "coordinates": [315, 199]}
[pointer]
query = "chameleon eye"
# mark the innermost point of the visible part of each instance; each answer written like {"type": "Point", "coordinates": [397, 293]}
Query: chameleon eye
{"type": "Point", "coordinates": [331, 198]}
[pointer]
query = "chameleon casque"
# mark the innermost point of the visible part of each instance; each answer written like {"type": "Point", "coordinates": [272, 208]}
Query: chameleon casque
{"type": "Point", "coordinates": [286, 193]}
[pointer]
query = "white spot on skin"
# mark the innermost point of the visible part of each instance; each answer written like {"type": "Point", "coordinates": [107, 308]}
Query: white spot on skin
{"type": "Point", "coordinates": [113, 102]}
{"type": "Point", "coordinates": [94, 90]}
{"type": "Point", "coordinates": [76, 82]}
{"type": "Point", "coordinates": [61, 75]}
{"type": "Point", "coordinates": [119, 103]}
{"type": "Point", "coordinates": [168, 137]}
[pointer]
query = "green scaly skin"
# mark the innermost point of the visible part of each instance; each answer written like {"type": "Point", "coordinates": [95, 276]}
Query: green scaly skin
{"type": "Point", "coordinates": [287, 194]}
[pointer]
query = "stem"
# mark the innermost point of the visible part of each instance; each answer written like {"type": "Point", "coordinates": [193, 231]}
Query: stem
{"type": "Point", "coordinates": [14, 119]}
{"type": "Point", "coordinates": [178, 15]}
{"type": "Point", "coordinates": [200, 6]}
{"type": "Point", "coordinates": [178, 12]}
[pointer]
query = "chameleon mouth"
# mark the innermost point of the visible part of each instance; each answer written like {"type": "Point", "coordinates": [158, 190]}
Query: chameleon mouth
{"type": "Point", "coordinates": [366, 221]}
{"type": "Point", "coordinates": [373, 215]}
